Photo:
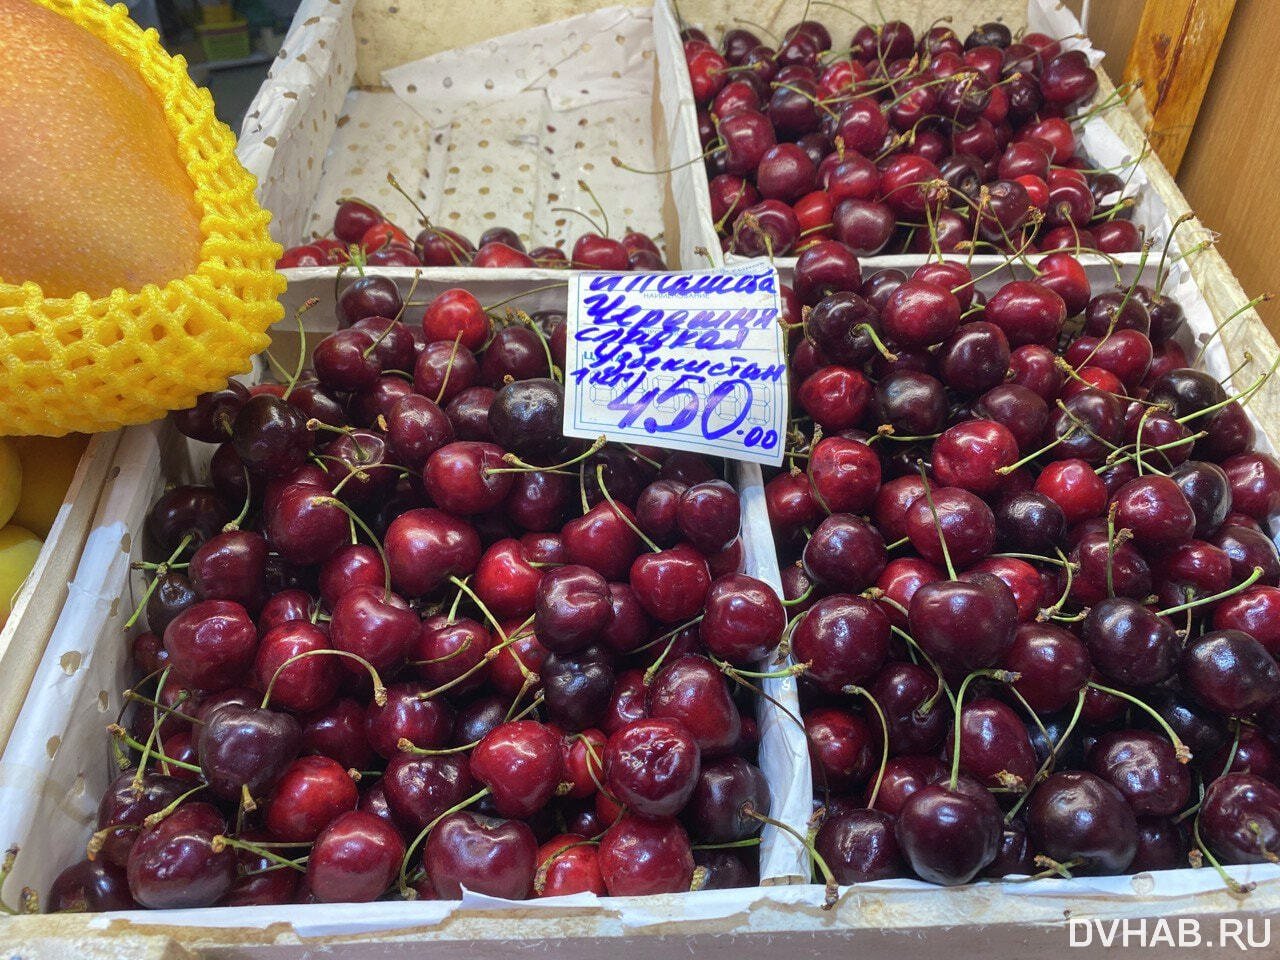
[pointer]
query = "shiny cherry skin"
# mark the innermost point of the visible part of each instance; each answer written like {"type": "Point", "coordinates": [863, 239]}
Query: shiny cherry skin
{"type": "Point", "coordinates": [173, 864]}
{"type": "Point", "coordinates": [947, 834]}
{"type": "Point", "coordinates": [1144, 767]}
{"type": "Point", "coordinates": [1231, 672]}
{"type": "Point", "coordinates": [843, 639]}
{"type": "Point", "coordinates": [640, 856]}
{"type": "Point", "coordinates": [1075, 815]}
{"type": "Point", "coordinates": [425, 547]}
{"type": "Point", "coordinates": [497, 858]}
{"type": "Point", "coordinates": [210, 644]}
{"type": "Point", "coordinates": [964, 625]}
{"type": "Point", "coordinates": [521, 764]}
{"type": "Point", "coordinates": [693, 691]}
{"type": "Point", "coordinates": [652, 766]}
{"type": "Point", "coordinates": [1130, 643]}
{"type": "Point", "coordinates": [845, 553]}
{"type": "Point", "coordinates": [354, 859]}
{"type": "Point", "coordinates": [310, 794]}
{"type": "Point", "coordinates": [1239, 819]}
{"type": "Point", "coordinates": [860, 846]}
{"type": "Point", "coordinates": [671, 585]}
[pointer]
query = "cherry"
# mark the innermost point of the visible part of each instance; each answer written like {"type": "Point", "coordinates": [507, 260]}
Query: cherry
{"type": "Point", "coordinates": [708, 514]}
{"type": "Point", "coordinates": [640, 856]}
{"type": "Point", "coordinates": [591, 251]}
{"type": "Point", "coordinates": [572, 605]}
{"type": "Point", "coordinates": [1130, 643]}
{"type": "Point", "coordinates": [1162, 845]}
{"type": "Point", "coordinates": [497, 858]}
{"type": "Point", "coordinates": [210, 644]}
{"type": "Point", "coordinates": [920, 313]}
{"type": "Point", "coordinates": [305, 684]}
{"type": "Point", "coordinates": [1053, 666]}
{"type": "Point", "coordinates": [994, 745]}
{"type": "Point", "coordinates": [844, 640]}
{"type": "Point", "coordinates": [949, 833]}
{"type": "Point", "coordinates": [1238, 818]}
{"type": "Point", "coordinates": [443, 370]}
{"type": "Point", "coordinates": [337, 731]}
{"type": "Point", "coordinates": [419, 789]}
{"type": "Point", "coordinates": [354, 859]}
{"type": "Point", "coordinates": [90, 886]}
{"type": "Point", "coordinates": [725, 791]}
{"type": "Point", "coordinates": [1144, 767]}
{"type": "Point", "coordinates": [964, 625]}
{"type": "Point", "coordinates": [375, 627]}
{"type": "Point", "coordinates": [425, 547]}
{"type": "Point", "coordinates": [835, 397]}
{"type": "Point", "coordinates": [1231, 672]}
{"type": "Point", "coordinates": [692, 691]}
{"type": "Point", "coordinates": [651, 766]}
{"type": "Point", "coordinates": [440, 247]}
{"type": "Point", "coordinates": [972, 455]}
{"type": "Point", "coordinates": [825, 268]}
{"type": "Point", "coordinates": [1077, 816]}
{"type": "Point", "coordinates": [1019, 409]}
{"type": "Point", "coordinates": [965, 523]}
{"type": "Point", "coordinates": [174, 864]}
{"type": "Point", "coordinates": [1155, 511]}
{"type": "Point", "coordinates": [521, 764]}
{"type": "Point", "coordinates": [671, 585]}
{"type": "Point", "coordinates": [860, 846]}
{"type": "Point", "coordinates": [457, 314]}
{"type": "Point", "coordinates": [743, 619]}
{"type": "Point", "coordinates": [407, 717]}
{"type": "Point", "coordinates": [975, 358]}
{"type": "Point", "coordinates": [1028, 312]}
{"type": "Point", "coordinates": [1255, 484]}
{"type": "Point", "coordinates": [310, 794]}
{"type": "Point", "coordinates": [368, 296]}
{"type": "Point", "coordinates": [768, 228]}
{"type": "Point", "coordinates": [1255, 611]}
{"type": "Point", "coordinates": [568, 863]}
{"type": "Point", "coordinates": [1105, 569]}
{"type": "Point", "coordinates": [495, 254]}
{"type": "Point", "coordinates": [845, 553]}
{"type": "Point", "coordinates": [230, 566]}
{"type": "Point", "coordinates": [416, 428]}
{"type": "Point", "coordinates": [840, 748]}
{"type": "Point", "coordinates": [1248, 549]}
{"type": "Point", "coordinates": [244, 749]}
{"type": "Point", "coordinates": [465, 477]}
{"type": "Point", "coordinates": [122, 810]}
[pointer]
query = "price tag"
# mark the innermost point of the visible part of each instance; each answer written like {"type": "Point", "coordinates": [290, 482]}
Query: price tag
{"type": "Point", "coordinates": [689, 361]}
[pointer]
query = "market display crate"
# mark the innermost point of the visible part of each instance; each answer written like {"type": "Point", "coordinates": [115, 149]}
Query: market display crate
{"type": "Point", "coordinates": [58, 765]}
{"type": "Point", "coordinates": [517, 131]}
{"type": "Point", "coordinates": [316, 134]}
{"type": "Point", "coordinates": [1096, 137]}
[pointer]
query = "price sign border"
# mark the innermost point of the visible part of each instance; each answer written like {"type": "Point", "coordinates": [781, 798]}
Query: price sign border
{"type": "Point", "coordinates": [688, 438]}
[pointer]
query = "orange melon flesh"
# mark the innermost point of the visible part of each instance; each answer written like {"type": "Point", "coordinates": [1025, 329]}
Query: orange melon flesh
{"type": "Point", "coordinates": [94, 196]}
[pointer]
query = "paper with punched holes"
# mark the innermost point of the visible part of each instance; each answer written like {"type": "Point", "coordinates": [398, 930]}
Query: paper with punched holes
{"type": "Point", "coordinates": [689, 360]}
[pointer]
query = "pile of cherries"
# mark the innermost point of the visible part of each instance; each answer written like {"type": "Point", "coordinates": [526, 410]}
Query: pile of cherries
{"type": "Point", "coordinates": [899, 144]}
{"type": "Point", "coordinates": [410, 639]}
{"type": "Point", "coordinates": [377, 241]}
{"type": "Point", "coordinates": [1022, 537]}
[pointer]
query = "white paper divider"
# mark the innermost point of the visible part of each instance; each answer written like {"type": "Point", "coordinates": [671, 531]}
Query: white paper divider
{"type": "Point", "coordinates": [1097, 141]}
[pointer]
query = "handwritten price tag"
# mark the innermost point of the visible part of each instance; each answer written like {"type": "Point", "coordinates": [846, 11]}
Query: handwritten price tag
{"type": "Point", "coordinates": [688, 361]}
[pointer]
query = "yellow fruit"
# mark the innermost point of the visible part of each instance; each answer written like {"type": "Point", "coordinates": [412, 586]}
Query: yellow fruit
{"type": "Point", "coordinates": [84, 207]}
{"type": "Point", "coordinates": [48, 465]}
{"type": "Point", "coordinates": [10, 480]}
{"type": "Point", "coordinates": [18, 551]}
{"type": "Point", "coordinates": [136, 270]}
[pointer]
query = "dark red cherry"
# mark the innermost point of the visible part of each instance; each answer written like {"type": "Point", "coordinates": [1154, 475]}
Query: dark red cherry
{"type": "Point", "coordinates": [173, 864]}
{"type": "Point", "coordinates": [693, 691]}
{"type": "Point", "coordinates": [843, 639]}
{"type": "Point", "coordinates": [493, 857]}
{"type": "Point", "coordinates": [354, 859]}
{"type": "Point", "coordinates": [964, 625]}
{"type": "Point", "coordinates": [310, 794]}
{"type": "Point", "coordinates": [1231, 672]}
{"type": "Point", "coordinates": [651, 766]}
{"type": "Point", "coordinates": [947, 834]}
{"type": "Point", "coordinates": [1077, 816]}
{"type": "Point", "coordinates": [1144, 767]}
{"type": "Point", "coordinates": [639, 856]}
{"type": "Point", "coordinates": [845, 553]}
{"type": "Point", "coordinates": [1239, 818]}
{"type": "Point", "coordinates": [1129, 643]}
{"type": "Point", "coordinates": [521, 764]}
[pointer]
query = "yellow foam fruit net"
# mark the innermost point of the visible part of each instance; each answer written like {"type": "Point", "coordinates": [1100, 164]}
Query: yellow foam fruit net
{"type": "Point", "coordinates": [85, 364]}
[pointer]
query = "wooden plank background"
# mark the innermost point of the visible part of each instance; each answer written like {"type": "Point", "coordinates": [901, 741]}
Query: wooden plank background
{"type": "Point", "coordinates": [1228, 172]}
